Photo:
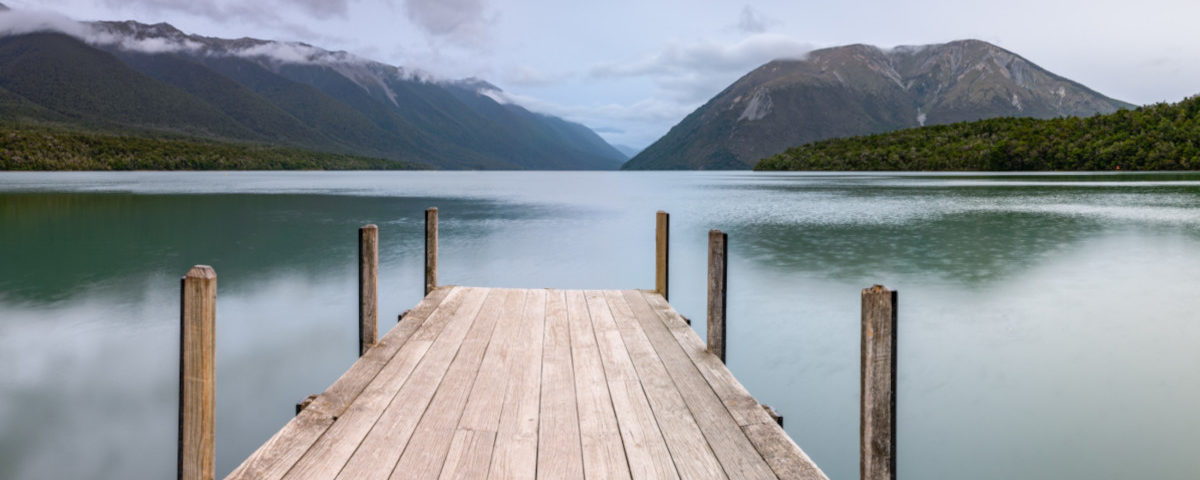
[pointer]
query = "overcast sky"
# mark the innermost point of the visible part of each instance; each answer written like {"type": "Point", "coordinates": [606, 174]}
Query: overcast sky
{"type": "Point", "coordinates": [630, 69]}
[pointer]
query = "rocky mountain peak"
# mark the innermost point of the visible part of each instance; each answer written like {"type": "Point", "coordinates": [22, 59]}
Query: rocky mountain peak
{"type": "Point", "coordinates": [862, 89]}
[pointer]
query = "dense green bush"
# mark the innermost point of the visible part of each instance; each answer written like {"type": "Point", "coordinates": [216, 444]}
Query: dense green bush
{"type": "Point", "coordinates": [1155, 137]}
{"type": "Point", "coordinates": [25, 147]}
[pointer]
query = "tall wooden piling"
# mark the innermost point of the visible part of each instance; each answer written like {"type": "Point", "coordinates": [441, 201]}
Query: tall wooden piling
{"type": "Point", "coordinates": [197, 347]}
{"type": "Point", "coordinates": [431, 249]}
{"type": "Point", "coordinates": [718, 260]}
{"type": "Point", "coordinates": [877, 421]}
{"type": "Point", "coordinates": [368, 287]}
{"type": "Point", "coordinates": [662, 253]}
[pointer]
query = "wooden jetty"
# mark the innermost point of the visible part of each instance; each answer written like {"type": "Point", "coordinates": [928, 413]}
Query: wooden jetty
{"type": "Point", "coordinates": [479, 383]}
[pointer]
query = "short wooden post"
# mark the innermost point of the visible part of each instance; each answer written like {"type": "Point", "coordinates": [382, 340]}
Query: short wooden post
{"type": "Point", "coordinates": [718, 260]}
{"type": "Point", "coordinates": [197, 346]}
{"type": "Point", "coordinates": [431, 249]}
{"type": "Point", "coordinates": [368, 287]}
{"type": "Point", "coordinates": [305, 403]}
{"type": "Point", "coordinates": [877, 422]}
{"type": "Point", "coordinates": [662, 244]}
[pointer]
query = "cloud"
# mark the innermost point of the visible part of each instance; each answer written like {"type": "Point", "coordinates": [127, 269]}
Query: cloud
{"type": "Point", "coordinates": [709, 56]}
{"type": "Point", "coordinates": [260, 12]}
{"type": "Point", "coordinates": [20, 22]}
{"type": "Point", "coordinates": [460, 22]}
{"type": "Point", "coordinates": [697, 71]}
{"type": "Point", "coordinates": [684, 75]}
{"type": "Point", "coordinates": [751, 21]}
{"type": "Point", "coordinates": [525, 76]}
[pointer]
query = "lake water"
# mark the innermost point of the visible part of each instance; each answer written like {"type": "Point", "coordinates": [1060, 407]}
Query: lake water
{"type": "Point", "coordinates": [1048, 323]}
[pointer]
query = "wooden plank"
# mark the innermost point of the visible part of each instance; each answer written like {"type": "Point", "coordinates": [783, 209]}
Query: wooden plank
{"type": "Point", "coordinates": [645, 448]}
{"type": "Point", "coordinates": [471, 449]}
{"type": "Point", "coordinates": [444, 301]}
{"type": "Point", "coordinates": [786, 459]}
{"type": "Point", "coordinates": [718, 257]}
{"type": "Point", "coordinates": [744, 408]}
{"type": "Point", "coordinates": [426, 451]}
{"type": "Point", "coordinates": [368, 287]}
{"type": "Point", "coordinates": [877, 423]}
{"type": "Point", "coordinates": [431, 249]}
{"type": "Point", "coordinates": [600, 439]}
{"type": "Point", "coordinates": [483, 410]}
{"type": "Point", "coordinates": [689, 449]}
{"type": "Point", "coordinates": [515, 455]}
{"type": "Point", "coordinates": [197, 373]}
{"type": "Point", "coordinates": [536, 383]}
{"type": "Point", "coordinates": [330, 452]}
{"type": "Point", "coordinates": [662, 244]}
{"type": "Point", "coordinates": [737, 455]}
{"type": "Point", "coordinates": [378, 452]}
{"type": "Point", "coordinates": [559, 453]}
{"type": "Point", "coordinates": [469, 456]}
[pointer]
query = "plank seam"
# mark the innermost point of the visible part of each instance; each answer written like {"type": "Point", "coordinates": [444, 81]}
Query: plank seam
{"type": "Point", "coordinates": [604, 371]}
{"type": "Point", "coordinates": [405, 383]}
{"type": "Point", "coordinates": [704, 432]}
{"type": "Point", "coordinates": [441, 380]}
{"type": "Point", "coordinates": [658, 358]}
{"type": "Point", "coordinates": [574, 381]}
{"type": "Point", "coordinates": [342, 410]}
{"type": "Point", "coordinates": [474, 375]}
{"type": "Point", "coordinates": [537, 452]}
{"type": "Point", "coordinates": [500, 416]}
{"type": "Point", "coordinates": [491, 343]}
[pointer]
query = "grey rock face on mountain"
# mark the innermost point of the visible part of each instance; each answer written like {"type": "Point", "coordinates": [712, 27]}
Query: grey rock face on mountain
{"type": "Point", "coordinates": [861, 89]}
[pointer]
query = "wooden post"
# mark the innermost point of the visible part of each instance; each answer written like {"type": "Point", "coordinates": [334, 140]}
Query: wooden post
{"type": "Point", "coordinates": [368, 287]}
{"type": "Point", "coordinates": [662, 242]}
{"type": "Point", "coordinates": [877, 423]}
{"type": "Point", "coordinates": [773, 414]}
{"type": "Point", "coordinates": [197, 345]}
{"type": "Point", "coordinates": [431, 247]}
{"type": "Point", "coordinates": [305, 403]}
{"type": "Point", "coordinates": [718, 260]}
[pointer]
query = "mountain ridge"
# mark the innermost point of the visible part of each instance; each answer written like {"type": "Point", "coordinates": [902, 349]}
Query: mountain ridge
{"type": "Point", "coordinates": [156, 77]}
{"type": "Point", "coordinates": [861, 89]}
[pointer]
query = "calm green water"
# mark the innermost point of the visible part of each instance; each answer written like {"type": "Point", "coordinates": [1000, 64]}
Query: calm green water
{"type": "Point", "coordinates": [1047, 325]}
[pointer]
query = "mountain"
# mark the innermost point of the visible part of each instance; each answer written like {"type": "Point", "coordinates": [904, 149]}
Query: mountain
{"type": "Point", "coordinates": [129, 77]}
{"type": "Point", "coordinates": [859, 90]}
{"type": "Point", "coordinates": [1154, 137]}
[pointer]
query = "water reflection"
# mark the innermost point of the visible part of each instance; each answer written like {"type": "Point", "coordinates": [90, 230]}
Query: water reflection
{"type": "Point", "coordinates": [1045, 318]}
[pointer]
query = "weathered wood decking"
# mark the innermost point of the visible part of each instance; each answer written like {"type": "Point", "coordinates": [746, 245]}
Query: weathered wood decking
{"type": "Point", "coordinates": [482, 383]}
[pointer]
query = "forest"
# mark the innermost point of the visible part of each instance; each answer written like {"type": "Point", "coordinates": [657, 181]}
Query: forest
{"type": "Point", "coordinates": [1155, 137]}
{"type": "Point", "coordinates": [31, 147]}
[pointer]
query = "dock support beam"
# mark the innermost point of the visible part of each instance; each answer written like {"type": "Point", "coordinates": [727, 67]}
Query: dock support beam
{"type": "Point", "coordinates": [877, 423]}
{"type": "Point", "coordinates": [197, 372]}
{"type": "Point", "coordinates": [662, 252]}
{"type": "Point", "coordinates": [368, 287]}
{"type": "Point", "coordinates": [431, 249]}
{"type": "Point", "coordinates": [718, 260]}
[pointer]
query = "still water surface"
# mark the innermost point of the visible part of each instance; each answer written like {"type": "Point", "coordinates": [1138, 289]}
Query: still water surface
{"type": "Point", "coordinates": [1047, 322]}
